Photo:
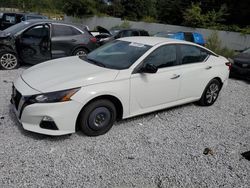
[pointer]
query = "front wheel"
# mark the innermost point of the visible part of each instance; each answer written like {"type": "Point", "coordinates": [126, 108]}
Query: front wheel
{"type": "Point", "coordinates": [210, 93]}
{"type": "Point", "coordinates": [97, 118]}
{"type": "Point", "coordinates": [8, 60]}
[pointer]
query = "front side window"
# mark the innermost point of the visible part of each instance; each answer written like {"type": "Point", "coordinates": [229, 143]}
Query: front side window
{"type": "Point", "coordinates": [117, 54]}
{"type": "Point", "coordinates": [192, 54]}
{"type": "Point", "coordinates": [164, 56]}
{"type": "Point", "coordinates": [39, 31]}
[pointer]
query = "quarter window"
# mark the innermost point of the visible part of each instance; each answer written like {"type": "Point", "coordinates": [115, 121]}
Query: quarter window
{"type": "Point", "coordinates": [192, 54]}
{"type": "Point", "coordinates": [164, 56]}
{"type": "Point", "coordinates": [63, 30]}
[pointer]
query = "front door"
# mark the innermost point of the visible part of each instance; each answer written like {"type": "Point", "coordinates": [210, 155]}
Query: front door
{"type": "Point", "coordinates": [34, 44]}
{"type": "Point", "coordinates": [151, 91]}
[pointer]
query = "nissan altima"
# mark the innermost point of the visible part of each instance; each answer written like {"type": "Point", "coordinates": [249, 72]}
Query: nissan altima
{"type": "Point", "coordinates": [124, 78]}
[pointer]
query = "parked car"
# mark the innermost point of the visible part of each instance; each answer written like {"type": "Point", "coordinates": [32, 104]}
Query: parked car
{"type": "Point", "coordinates": [124, 78]}
{"type": "Point", "coordinates": [188, 36]}
{"type": "Point", "coordinates": [36, 41]}
{"type": "Point", "coordinates": [10, 19]}
{"type": "Point", "coordinates": [241, 65]}
{"type": "Point", "coordinates": [105, 35]}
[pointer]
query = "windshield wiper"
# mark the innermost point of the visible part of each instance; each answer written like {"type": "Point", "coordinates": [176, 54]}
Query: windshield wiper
{"type": "Point", "coordinates": [96, 62]}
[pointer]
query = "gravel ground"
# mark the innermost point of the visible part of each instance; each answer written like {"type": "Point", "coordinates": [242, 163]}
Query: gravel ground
{"type": "Point", "coordinates": [161, 149]}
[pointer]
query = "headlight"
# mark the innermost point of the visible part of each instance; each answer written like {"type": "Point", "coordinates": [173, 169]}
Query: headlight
{"type": "Point", "coordinates": [58, 96]}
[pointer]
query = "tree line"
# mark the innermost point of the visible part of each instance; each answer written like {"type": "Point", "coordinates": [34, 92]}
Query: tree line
{"type": "Point", "coordinates": [223, 14]}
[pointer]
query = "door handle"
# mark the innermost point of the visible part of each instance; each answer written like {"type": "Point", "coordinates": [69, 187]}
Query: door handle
{"type": "Point", "coordinates": [208, 67]}
{"type": "Point", "coordinates": [175, 76]}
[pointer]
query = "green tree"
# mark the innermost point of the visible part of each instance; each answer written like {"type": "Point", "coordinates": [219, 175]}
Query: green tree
{"type": "Point", "coordinates": [137, 9]}
{"type": "Point", "coordinates": [194, 17]}
{"type": "Point", "coordinates": [169, 11]}
{"type": "Point", "coordinates": [79, 8]}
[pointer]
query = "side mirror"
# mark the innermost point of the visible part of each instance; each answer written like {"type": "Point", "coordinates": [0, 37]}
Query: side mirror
{"type": "Point", "coordinates": [149, 68]}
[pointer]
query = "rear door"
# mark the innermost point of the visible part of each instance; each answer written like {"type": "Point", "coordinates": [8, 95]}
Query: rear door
{"type": "Point", "coordinates": [34, 44]}
{"type": "Point", "coordinates": [64, 39]}
{"type": "Point", "coordinates": [196, 70]}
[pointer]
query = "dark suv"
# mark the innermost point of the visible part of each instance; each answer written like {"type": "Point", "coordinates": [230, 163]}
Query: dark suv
{"type": "Point", "coordinates": [105, 36]}
{"type": "Point", "coordinates": [36, 41]}
{"type": "Point", "coordinates": [9, 19]}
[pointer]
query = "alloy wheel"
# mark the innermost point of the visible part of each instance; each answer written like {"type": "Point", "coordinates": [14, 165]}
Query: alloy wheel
{"type": "Point", "coordinates": [8, 61]}
{"type": "Point", "coordinates": [212, 93]}
{"type": "Point", "coordinates": [81, 53]}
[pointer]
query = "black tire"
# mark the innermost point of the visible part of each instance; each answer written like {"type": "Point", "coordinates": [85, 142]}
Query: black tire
{"type": "Point", "coordinates": [80, 52]}
{"type": "Point", "coordinates": [97, 118]}
{"type": "Point", "coordinates": [8, 60]}
{"type": "Point", "coordinates": [211, 93]}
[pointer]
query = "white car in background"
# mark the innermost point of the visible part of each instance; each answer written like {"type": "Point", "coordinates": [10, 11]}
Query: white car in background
{"type": "Point", "coordinates": [124, 78]}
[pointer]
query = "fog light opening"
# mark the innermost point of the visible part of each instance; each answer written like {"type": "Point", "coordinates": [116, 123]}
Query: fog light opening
{"type": "Point", "coordinates": [48, 123]}
{"type": "Point", "coordinates": [47, 118]}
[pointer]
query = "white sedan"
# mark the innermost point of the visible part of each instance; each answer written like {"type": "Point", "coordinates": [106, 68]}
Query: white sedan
{"type": "Point", "coordinates": [125, 78]}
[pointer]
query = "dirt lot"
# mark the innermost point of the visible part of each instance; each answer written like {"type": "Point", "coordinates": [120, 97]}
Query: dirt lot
{"type": "Point", "coordinates": [161, 149]}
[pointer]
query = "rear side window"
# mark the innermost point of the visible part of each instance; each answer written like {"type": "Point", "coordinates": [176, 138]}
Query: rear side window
{"type": "Point", "coordinates": [192, 54]}
{"type": "Point", "coordinates": [64, 30]}
{"type": "Point", "coordinates": [144, 33]}
{"type": "Point", "coordinates": [33, 17]}
{"type": "Point", "coordinates": [189, 37]}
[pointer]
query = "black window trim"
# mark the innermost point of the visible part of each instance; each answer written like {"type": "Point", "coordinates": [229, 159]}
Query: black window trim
{"type": "Point", "coordinates": [178, 56]}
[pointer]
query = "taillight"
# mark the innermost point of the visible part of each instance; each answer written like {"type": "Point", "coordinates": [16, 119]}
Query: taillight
{"type": "Point", "coordinates": [229, 65]}
{"type": "Point", "coordinates": [93, 39]}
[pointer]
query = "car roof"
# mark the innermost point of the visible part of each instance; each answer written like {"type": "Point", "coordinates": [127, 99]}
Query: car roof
{"type": "Point", "coordinates": [41, 21]}
{"type": "Point", "coordinates": [152, 41]}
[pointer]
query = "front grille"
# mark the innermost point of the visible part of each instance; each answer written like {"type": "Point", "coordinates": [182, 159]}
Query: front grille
{"type": "Point", "coordinates": [16, 96]}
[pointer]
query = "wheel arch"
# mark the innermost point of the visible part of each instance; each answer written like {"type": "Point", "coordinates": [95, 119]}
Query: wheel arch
{"type": "Point", "coordinates": [219, 79]}
{"type": "Point", "coordinates": [116, 101]}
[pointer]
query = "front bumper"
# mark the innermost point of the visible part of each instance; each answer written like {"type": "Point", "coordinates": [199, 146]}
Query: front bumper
{"type": "Point", "coordinates": [63, 114]}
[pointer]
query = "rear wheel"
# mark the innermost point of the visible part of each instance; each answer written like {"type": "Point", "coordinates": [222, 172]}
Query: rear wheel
{"type": "Point", "coordinates": [97, 118]}
{"type": "Point", "coordinates": [210, 93]}
{"type": "Point", "coordinates": [8, 60]}
{"type": "Point", "coordinates": [80, 52]}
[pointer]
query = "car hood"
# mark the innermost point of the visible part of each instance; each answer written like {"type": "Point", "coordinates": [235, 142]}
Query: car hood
{"type": "Point", "coordinates": [242, 58]}
{"type": "Point", "coordinates": [66, 73]}
{"type": "Point", "coordinates": [4, 35]}
{"type": "Point", "coordinates": [102, 30]}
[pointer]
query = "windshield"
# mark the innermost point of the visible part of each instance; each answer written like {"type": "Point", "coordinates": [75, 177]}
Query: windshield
{"type": "Point", "coordinates": [247, 51]}
{"type": "Point", "coordinates": [16, 28]}
{"type": "Point", "coordinates": [117, 54]}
